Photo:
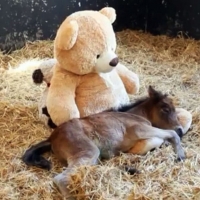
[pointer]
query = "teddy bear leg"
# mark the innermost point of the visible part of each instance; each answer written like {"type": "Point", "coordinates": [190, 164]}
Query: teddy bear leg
{"type": "Point", "coordinates": [61, 109]}
{"type": "Point", "coordinates": [185, 119]}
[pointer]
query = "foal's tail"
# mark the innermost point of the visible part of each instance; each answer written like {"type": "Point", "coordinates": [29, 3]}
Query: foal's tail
{"type": "Point", "coordinates": [33, 156]}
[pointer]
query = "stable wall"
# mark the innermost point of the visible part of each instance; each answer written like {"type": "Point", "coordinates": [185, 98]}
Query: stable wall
{"type": "Point", "coordinates": [23, 20]}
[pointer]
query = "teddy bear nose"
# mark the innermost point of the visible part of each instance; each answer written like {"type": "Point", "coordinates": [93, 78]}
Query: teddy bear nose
{"type": "Point", "coordinates": [114, 62]}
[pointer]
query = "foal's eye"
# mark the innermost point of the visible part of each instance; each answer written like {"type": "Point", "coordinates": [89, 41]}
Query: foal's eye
{"type": "Point", "coordinates": [165, 110]}
{"type": "Point", "coordinates": [98, 56]}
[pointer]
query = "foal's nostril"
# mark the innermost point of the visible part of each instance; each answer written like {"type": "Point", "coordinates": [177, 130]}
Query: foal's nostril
{"type": "Point", "coordinates": [179, 131]}
{"type": "Point", "coordinates": [114, 62]}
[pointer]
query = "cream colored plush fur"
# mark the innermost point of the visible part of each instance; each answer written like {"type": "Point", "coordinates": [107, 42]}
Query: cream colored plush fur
{"type": "Point", "coordinates": [83, 82]}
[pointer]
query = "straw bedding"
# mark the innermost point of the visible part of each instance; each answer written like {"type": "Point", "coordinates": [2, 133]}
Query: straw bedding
{"type": "Point", "coordinates": [172, 65]}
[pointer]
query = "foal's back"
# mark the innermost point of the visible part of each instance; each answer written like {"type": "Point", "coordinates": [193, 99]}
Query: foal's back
{"type": "Point", "coordinates": [106, 130]}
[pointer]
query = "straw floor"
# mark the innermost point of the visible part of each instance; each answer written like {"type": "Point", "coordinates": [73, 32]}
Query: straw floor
{"type": "Point", "coordinates": [171, 65]}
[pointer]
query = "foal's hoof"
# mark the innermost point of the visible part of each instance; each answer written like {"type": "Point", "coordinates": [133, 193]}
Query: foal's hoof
{"type": "Point", "coordinates": [37, 76]}
{"type": "Point", "coordinates": [179, 132]}
{"type": "Point", "coordinates": [61, 184]}
{"type": "Point", "coordinates": [131, 170]}
{"type": "Point", "coordinates": [180, 154]}
{"type": "Point", "coordinates": [166, 143]}
{"type": "Point", "coordinates": [181, 158]}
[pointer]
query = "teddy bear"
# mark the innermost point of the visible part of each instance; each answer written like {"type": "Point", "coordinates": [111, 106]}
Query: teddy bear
{"type": "Point", "coordinates": [85, 76]}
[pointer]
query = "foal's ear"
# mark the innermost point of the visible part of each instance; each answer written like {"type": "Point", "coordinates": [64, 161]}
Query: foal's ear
{"type": "Point", "coordinates": [152, 92]}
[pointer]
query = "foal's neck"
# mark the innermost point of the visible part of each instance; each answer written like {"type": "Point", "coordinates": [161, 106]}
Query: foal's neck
{"type": "Point", "coordinates": [142, 110]}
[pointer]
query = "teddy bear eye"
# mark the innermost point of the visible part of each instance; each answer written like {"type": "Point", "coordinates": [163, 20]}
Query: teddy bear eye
{"type": "Point", "coordinates": [98, 56]}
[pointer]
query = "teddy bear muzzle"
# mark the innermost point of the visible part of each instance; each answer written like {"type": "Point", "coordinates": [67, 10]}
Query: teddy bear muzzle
{"type": "Point", "coordinates": [114, 62]}
{"type": "Point", "coordinates": [106, 62]}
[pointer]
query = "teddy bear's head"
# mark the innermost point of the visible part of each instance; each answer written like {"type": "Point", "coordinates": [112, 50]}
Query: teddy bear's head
{"type": "Point", "coordinates": [85, 42]}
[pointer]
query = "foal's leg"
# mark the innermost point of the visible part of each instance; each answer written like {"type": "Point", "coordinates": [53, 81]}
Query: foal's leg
{"type": "Point", "coordinates": [185, 119]}
{"type": "Point", "coordinates": [86, 155]}
{"type": "Point", "coordinates": [143, 146]}
{"type": "Point", "coordinates": [143, 131]}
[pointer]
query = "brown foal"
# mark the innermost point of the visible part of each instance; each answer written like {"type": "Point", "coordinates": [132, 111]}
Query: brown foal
{"type": "Point", "coordinates": [135, 128]}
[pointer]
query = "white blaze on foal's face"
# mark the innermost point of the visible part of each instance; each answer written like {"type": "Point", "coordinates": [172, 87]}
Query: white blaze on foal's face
{"type": "Point", "coordinates": [106, 62]}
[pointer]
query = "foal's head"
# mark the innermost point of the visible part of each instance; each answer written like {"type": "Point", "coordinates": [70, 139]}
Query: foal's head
{"type": "Point", "coordinates": [161, 111]}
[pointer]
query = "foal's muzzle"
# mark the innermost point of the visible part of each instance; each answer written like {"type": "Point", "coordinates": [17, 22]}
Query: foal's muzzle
{"type": "Point", "coordinates": [179, 131]}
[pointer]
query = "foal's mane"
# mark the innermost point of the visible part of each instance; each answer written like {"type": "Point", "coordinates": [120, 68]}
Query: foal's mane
{"type": "Point", "coordinates": [127, 107]}
{"type": "Point", "coordinates": [124, 108]}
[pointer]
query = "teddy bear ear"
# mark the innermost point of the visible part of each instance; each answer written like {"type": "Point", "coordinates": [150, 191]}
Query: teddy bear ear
{"type": "Point", "coordinates": [67, 35]}
{"type": "Point", "coordinates": [109, 12]}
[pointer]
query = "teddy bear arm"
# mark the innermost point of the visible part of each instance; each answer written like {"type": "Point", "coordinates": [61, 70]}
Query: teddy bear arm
{"type": "Point", "coordinates": [129, 78]}
{"type": "Point", "coordinates": [185, 119]}
{"type": "Point", "coordinates": [61, 105]}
